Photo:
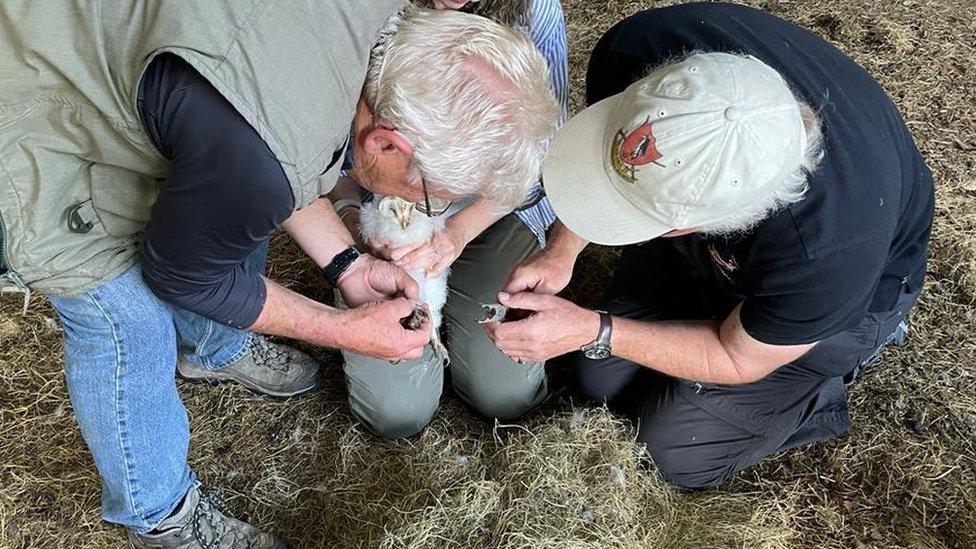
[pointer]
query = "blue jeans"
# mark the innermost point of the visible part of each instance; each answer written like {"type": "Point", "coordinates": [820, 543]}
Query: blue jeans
{"type": "Point", "coordinates": [120, 347]}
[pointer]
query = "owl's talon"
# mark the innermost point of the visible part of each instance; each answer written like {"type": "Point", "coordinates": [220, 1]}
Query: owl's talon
{"type": "Point", "coordinates": [440, 351]}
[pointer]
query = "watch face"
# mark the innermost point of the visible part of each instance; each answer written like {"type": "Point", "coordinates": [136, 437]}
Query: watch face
{"type": "Point", "coordinates": [597, 352]}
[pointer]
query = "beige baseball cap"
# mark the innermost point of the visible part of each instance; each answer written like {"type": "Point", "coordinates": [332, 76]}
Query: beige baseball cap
{"type": "Point", "coordinates": [688, 145]}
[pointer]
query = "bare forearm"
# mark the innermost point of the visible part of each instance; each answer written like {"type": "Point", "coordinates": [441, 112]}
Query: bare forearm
{"type": "Point", "coordinates": [473, 220]}
{"type": "Point", "coordinates": [293, 315]}
{"type": "Point", "coordinates": [564, 242]}
{"type": "Point", "coordinates": [319, 231]}
{"type": "Point", "coordinates": [685, 349]}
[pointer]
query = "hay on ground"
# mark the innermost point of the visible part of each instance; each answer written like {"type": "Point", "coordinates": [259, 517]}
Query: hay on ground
{"type": "Point", "coordinates": [905, 476]}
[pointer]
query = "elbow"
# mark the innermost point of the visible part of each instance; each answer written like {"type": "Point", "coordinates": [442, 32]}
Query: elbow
{"type": "Point", "coordinates": [230, 301]}
{"type": "Point", "coordinates": [171, 290]}
{"type": "Point", "coordinates": [741, 378]}
{"type": "Point", "coordinates": [732, 372]}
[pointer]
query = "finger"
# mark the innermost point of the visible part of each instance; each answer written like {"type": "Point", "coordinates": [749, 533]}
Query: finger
{"type": "Point", "coordinates": [418, 261]}
{"type": "Point", "coordinates": [413, 252]}
{"type": "Point", "coordinates": [528, 357]}
{"type": "Point", "coordinates": [490, 329]}
{"type": "Point", "coordinates": [411, 343]}
{"type": "Point", "coordinates": [528, 301]}
{"type": "Point", "coordinates": [413, 354]}
{"type": "Point", "coordinates": [514, 352]}
{"type": "Point", "coordinates": [525, 351]}
{"type": "Point", "coordinates": [438, 268]}
{"type": "Point", "coordinates": [397, 253]}
{"type": "Point", "coordinates": [401, 307]}
{"type": "Point", "coordinates": [419, 265]}
{"type": "Point", "coordinates": [519, 281]}
{"type": "Point", "coordinates": [509, 334]}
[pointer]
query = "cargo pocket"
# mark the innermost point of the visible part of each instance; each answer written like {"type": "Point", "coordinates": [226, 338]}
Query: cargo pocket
{"type": "Point", "coordinates": [122, 199]}
{"type": "Point", "coordinates": [711, 398]}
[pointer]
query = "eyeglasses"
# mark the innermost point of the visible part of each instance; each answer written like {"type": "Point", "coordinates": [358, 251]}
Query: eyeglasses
{"type": "Point", "coordinates": [431, 207]}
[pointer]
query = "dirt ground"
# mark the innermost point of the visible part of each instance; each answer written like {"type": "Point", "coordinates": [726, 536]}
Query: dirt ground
{"type": "Point", "coordinates": [905, 476]}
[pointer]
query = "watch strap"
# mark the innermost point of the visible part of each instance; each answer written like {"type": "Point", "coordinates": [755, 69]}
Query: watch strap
{"type": "Point", "coordinates": [600, 348]}
{"type": "Point", "coordinates": [606, 329]}
{"type": "Point", "coordinates": [340, 263]}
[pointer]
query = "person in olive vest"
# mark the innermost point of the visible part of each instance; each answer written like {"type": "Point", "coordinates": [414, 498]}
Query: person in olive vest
{"type": "Point", "coordinates": [147, 152]}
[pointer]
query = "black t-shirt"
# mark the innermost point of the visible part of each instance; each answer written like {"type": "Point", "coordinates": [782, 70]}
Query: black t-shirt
{"type": "Point", "coordinates": [224, 195]}
{"type": "Point", "coordinates": [860, 234]}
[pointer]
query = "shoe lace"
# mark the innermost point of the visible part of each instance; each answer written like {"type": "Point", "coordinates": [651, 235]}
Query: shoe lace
{"type": "Point", "coordinates": [212, 525]}
{"type": "Point", "coordinates": [269, 354]}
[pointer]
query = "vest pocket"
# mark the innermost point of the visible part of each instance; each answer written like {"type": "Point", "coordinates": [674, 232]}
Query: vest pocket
{"type": "Point", "coordinates": [121, 199]}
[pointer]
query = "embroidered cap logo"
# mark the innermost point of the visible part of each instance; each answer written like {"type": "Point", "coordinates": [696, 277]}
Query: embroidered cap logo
{"type": "Point", "coordinates": [629, 151]}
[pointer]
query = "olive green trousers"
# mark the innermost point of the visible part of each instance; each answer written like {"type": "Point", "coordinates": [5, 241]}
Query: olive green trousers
{"type": "Point", "coordinates": [399, 400]}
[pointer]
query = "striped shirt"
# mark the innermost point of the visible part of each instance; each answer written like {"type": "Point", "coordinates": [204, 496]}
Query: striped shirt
{"type": "Point", "coordinates": [548, 31]}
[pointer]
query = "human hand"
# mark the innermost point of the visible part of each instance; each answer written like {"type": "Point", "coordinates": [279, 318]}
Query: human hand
{"type": "Point", "coordinates": [545, 272]}
{"type": "Point", "coordinates": [371, 279]}
{"type": "Point", "coordinates": [555, 327]}
{"type": "Point", "coordinates": [435, 256]}
{"type": "Point", "coordinates": [374, 329]}
{"type": "Point", "coordinates": [385, 250]}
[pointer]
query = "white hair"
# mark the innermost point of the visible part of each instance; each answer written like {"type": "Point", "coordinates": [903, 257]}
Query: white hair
{"type": "Point", "coordinates": [792, 189]}
{"type": "Point", "coordinates": [471, 95]}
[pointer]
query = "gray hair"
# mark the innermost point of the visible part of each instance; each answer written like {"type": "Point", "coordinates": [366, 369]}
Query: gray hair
{"type": "Point", "coordinates": [472, 96]}
{"type": "Point", "coordinates": [791, 190]}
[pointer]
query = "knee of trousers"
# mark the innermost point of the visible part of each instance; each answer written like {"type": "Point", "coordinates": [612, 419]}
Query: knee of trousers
{"type": "Point", "coordinates": [690, 472]}
{"type": "Point", "coordinates": [499, 401]}
{"type": "Point", "coordinates": [688, 464]}
{"type": "Point", "coordinates": [591, 379]}
{"type": "Point", "coordinates": [395, 420]}
{"type": "Point", "coordinates": [696, 482]}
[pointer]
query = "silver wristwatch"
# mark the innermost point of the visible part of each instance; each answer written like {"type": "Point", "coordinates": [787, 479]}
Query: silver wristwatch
{"type": "Point", "coordinates": [599, 348]}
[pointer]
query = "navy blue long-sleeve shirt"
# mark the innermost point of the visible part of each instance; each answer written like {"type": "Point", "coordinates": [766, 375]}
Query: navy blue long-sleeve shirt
{"type": "Point", "coordinates": [224, 195]}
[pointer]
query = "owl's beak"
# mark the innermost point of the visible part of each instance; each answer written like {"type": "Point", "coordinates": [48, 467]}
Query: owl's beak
{"type": "Point", "coordinates": [403, 217]}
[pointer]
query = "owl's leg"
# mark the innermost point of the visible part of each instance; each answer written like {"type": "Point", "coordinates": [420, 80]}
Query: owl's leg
{"type": "Point", "coordinates": [440, 351]}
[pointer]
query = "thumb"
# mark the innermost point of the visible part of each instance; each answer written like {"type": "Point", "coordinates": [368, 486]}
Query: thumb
{"type": "Point", "coordinates": [406, 285]}
{"type": "Point", "coordinates": [401, 307]}
{"type": "Point", "coordinates": [525, 300]}
{"type": "Point", "coordinates": [519, 280]}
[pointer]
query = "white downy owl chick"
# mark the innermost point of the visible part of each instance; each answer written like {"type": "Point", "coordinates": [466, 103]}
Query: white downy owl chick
{"type": "Point", "coordinates": [394, 221]}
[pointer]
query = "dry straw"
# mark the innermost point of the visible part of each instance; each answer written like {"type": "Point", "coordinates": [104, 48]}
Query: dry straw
{"type": "Point", "coordinates": [904, 477]}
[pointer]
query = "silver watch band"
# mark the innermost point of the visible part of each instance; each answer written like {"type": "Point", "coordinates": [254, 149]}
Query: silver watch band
{"type": "Point", "coordinates": [606, 329]}
{"type": "Point", "coordinates": [599, 348]}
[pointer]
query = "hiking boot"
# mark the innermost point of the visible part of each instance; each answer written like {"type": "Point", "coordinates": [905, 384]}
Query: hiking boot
{"type": "Point", "coordinates": [202, 522]}
{"type": "Point", "coordinates": [267, 368]}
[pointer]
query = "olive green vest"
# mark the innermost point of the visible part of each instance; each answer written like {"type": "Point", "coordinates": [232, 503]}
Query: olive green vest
{"type": "Point", "coordinates": [78, 173]}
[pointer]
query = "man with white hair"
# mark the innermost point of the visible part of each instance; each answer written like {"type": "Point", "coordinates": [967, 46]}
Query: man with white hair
{"type": "Point", "coordinates": [465, 145]}
{"type": "Point", "coordinates": [146, 166]}
{"type": "Point", "coordinates": [770, 251]}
